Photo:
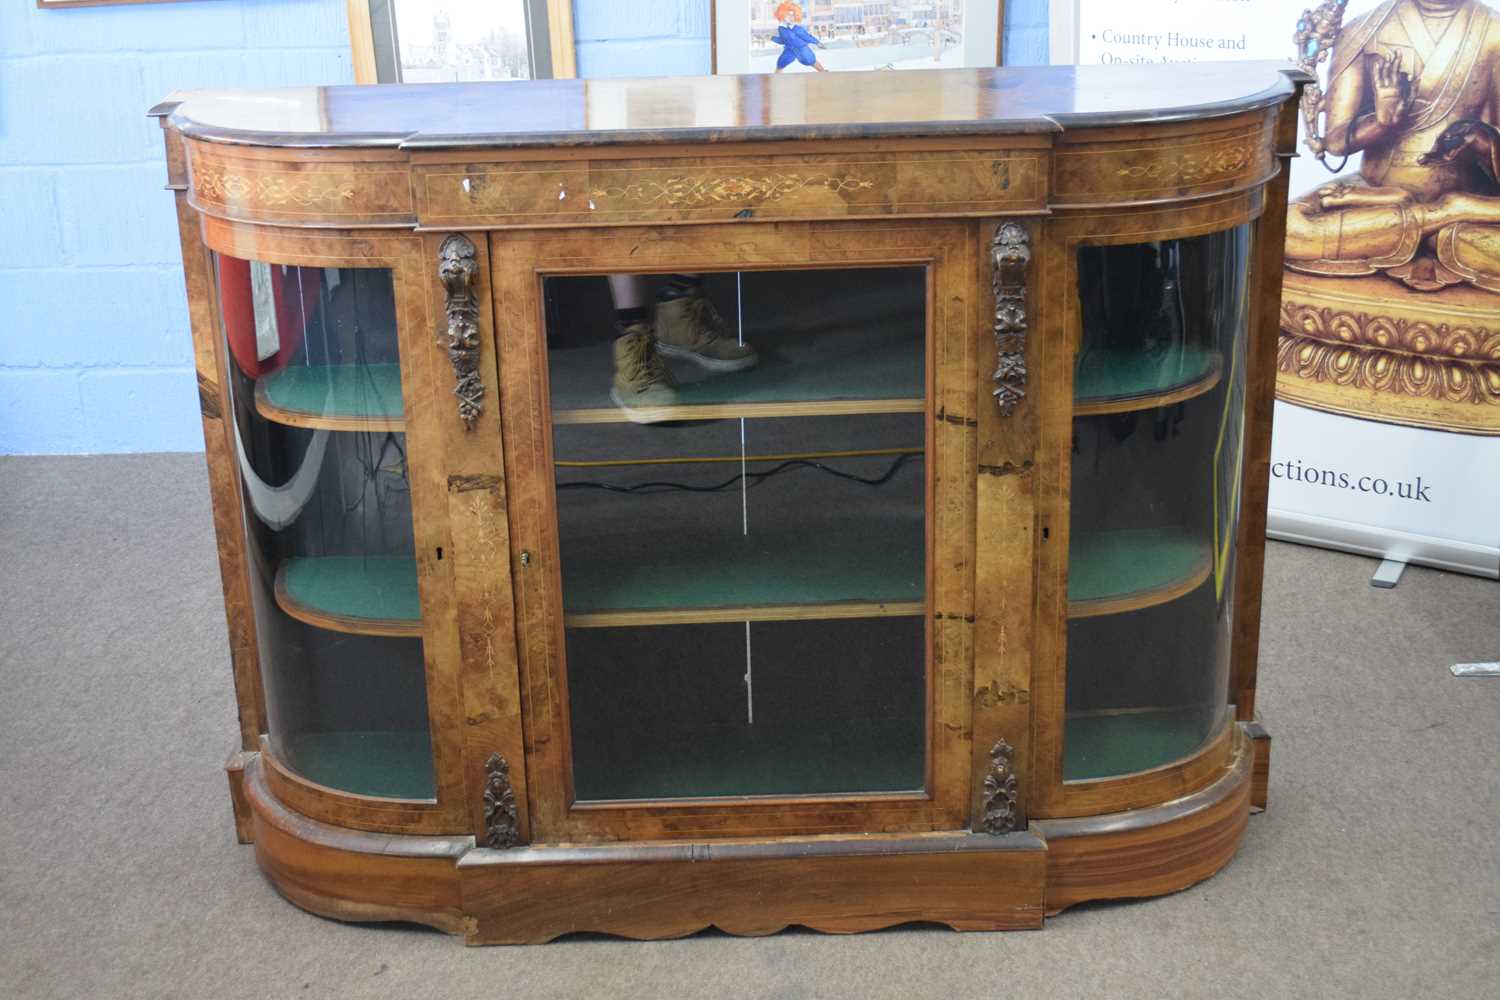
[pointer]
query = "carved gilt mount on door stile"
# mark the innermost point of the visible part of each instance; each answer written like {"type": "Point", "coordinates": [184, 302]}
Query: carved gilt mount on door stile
{"type": "Point", "coordinates": [456, 267]}
{"type": "Point", "coordinates": [501, 828]}
{"type": "Point", "coordinates": [1000, 790]}
{"type": "Point", "coordinates": [1010, 253]}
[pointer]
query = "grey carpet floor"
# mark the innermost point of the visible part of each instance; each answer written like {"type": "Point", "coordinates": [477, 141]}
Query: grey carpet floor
{"type": "Point", "coordinates": [1376, 872]}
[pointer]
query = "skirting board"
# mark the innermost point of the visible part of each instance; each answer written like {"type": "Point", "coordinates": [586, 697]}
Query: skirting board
{"type": "Point", "coordinates": [1384, 543]}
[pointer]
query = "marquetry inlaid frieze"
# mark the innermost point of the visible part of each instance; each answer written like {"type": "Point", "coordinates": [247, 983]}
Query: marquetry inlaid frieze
{"type": "Point", "coordinates": [767, 188]}
{"type": "Point", "coordinates": [258, 189]}
{"type": "Point", "coordinates": [1164, 167]}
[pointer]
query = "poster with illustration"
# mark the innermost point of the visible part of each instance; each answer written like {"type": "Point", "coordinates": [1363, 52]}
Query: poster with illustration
{"type": "Point", "coordinates": [1387, 433]}
{"type": "Point", "coordinates": [815, 36]}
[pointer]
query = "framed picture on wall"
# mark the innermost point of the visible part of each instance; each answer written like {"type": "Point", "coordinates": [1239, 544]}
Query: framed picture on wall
{"type": "Point", "coordinates": [93, 3]}
{"type": "Point", "coordinates": [446, 41]}
{"type": "Point", "coordinates": [810, 36]}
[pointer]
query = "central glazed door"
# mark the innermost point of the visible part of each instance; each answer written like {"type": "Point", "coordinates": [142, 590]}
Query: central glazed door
{"type": "Point", "coordinates": [743, 538]}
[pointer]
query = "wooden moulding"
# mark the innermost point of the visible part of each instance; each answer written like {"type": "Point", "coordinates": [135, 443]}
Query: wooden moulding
{"type": "Point", "coordinates": [234, 770]}
{"type": "Point", "coordinates": [1154, 850]}
{"type": "Point", "coordinates": [653, 891]}
{"type": "Point", "coordinates": [840, 884]}
{"type": "Point", "coordinates": [351, 875]}
{"type": "Point", "coordinates": [1260, 781]}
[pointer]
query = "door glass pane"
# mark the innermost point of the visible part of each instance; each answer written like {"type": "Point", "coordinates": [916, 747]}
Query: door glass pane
{"type": "Point", "coordinates": [741, 493]}
{"type": "Point", "coordinates": [1157, 468]}
{"type": "Point", "coordinates": [315, 383]}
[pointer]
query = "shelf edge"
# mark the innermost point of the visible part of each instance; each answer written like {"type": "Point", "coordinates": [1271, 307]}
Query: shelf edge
{"type": "Point", "coordinates": [389, 627]}
{"type": "Point", "coordinates": [1098, 406]}
{"type": "Point", "coordinates": [746, 613]}
{"type": "Point", "coordinates": [720, 411]}
{"type": "Point", "coordinates": [318, 421]}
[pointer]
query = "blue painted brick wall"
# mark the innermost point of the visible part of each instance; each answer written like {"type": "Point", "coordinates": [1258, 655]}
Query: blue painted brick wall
{"type": "Point", "coordinates": [94, 343]}
{"type": "Point", "coordinates": [95, 354]}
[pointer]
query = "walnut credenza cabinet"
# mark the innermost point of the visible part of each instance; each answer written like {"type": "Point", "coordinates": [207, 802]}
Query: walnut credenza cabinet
{"type": "Point", "coordinates": [946, 610]}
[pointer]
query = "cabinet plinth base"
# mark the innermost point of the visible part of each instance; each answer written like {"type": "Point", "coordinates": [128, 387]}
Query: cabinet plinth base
{"type": "Point", "coordinates": [837, 884]}
{"type": "Point", "coordinates": [840, 885]}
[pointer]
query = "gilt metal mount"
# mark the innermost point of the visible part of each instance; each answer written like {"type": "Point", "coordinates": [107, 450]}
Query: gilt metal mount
{"type": "Point", "coordinates": [501, 827]}
{"type": "Point", "coordinates": [1000, 790]}
{"type": "Point", "coordinates": [457, 264]}
{"type": "Point", "coordinates": [1010, 253]}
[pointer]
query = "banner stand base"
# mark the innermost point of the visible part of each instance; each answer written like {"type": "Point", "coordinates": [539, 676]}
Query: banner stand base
{"type": "Point", "coordinates": [1388, 573]}
{"type": "Point", "coordinates": [1397, 546]}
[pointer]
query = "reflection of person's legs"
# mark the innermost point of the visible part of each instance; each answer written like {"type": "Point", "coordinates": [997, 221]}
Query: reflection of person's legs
{"type": "Point", "coordinates": [642, 385]}
{"type": "Point", "coordinates": [629, 294]}
{"type": "Point", "coordinates": [686, 326]}
{"type": "Point", "coordinates": [689, 327]}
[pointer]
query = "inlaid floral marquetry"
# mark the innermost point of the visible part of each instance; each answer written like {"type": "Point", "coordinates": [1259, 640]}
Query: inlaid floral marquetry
{"type": "Point", "coordinates": [263, 190]}
{"type": "Point", "coordinates": [1192, 166]}
{"type": "Point", "coordinates": [690, 192]}
{"type": "Point", "coordinates": [1171, 167]}
{"type": "Point", "coordinates": [618, 192]}
{"type": "Point", "coordinates": [274, 191]}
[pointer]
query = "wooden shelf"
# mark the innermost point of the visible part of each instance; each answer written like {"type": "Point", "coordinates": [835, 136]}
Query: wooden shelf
{"type": "Point", "coordinates": [1110, 744]}
{"type": "Point", "coordinates": [779, 574]}
{"type": "Point", "coordinates": [385, 763]}
{"type": "Point", "coordinates": [333, 397]}
{"type": "Point", "coordinates": [767, 577]}
{"type": "Point", "coordinates": [365, 595]}
{"type": "Point", "coordinates": [813, 374]}
{"type": "Point", "coordinates": [1119, 381]}
{"type": "Point", "coordinates": [1110, 572]}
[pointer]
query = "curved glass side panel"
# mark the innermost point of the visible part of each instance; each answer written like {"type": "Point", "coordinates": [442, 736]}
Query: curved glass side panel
{"type": "Point", "coordinates": [741, 498]}
{"type": "Point", "coordinates": [315, 386]}
{"type": "Point", "coordinates": [1158, 461]}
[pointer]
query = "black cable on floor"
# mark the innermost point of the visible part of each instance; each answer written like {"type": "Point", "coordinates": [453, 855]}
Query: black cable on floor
{"type": "Point", "coordinates": [756, 478]}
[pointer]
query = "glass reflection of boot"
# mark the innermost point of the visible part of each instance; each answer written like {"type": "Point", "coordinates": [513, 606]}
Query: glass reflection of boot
{"type": "Point", "coordinates": [642, 385]}
{"type": "Point", "coordinates": [692, 329]}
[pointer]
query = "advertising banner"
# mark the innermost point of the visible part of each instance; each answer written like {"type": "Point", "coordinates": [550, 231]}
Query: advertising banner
{"type": "Point", "coordinates": [1387, 434]}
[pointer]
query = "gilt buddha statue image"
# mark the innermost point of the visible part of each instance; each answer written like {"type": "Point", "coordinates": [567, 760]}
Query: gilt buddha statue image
{"type": "Point", "coordinates": [1391, 299]}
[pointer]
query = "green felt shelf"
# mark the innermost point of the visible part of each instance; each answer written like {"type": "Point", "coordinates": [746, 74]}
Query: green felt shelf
{"type": "Point", "coordinates": [389, 764]}
{"type": "Point", "coordinates": [857, 755]}
{"type": "Point", "coordinates": [1115, 571]}
{"type": "Point", "coordinates": [877, 561]}
{"type": "Point", "coordinates": [1105, 746]}
{"type": "Point", "coordinates": [879, 367]}
{"type": "Point", "coordinates": [1110, 379]}
{"type": "Point", "coordinates": [336, 397]}
{"type": "Point", "coordinates": [370, 595]}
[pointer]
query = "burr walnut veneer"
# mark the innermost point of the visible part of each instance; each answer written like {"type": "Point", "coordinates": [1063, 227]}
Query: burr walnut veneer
{"type": "Point", "coordinates": [945, 610]}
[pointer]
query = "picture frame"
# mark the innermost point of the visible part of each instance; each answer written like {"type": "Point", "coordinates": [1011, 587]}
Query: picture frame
{"type": "Point", "coordinates": [62, 4]}
{"type": "Point", "coordinates": [427, 41]}
{"type": "Point", "coordinates": [897, 35]}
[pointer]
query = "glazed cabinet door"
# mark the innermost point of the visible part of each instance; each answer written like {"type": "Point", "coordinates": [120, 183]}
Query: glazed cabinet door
{"type": "Point", "coordinates": [742, 525]}
{"type": "Point", "coordinates": [1153, 448]}
{"type": "Point", "coordinates": [341, 436]}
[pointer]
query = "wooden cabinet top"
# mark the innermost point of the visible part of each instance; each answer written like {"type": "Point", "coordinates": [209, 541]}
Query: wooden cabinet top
{"type": "Point", "coordinates": [916, 104]}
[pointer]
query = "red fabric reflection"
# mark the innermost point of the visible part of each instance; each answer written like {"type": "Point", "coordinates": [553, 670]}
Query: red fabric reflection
{"type": "Point", "coordinates": [295, 292]}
